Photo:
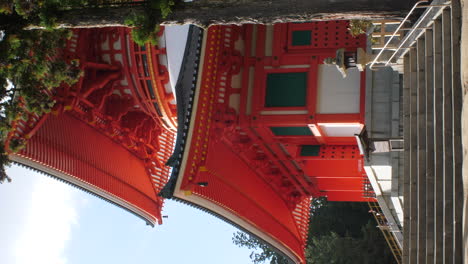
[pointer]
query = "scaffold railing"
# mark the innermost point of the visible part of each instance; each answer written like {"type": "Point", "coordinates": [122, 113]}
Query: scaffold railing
{"type": "Point", "coordinates": [432, 10]}
{"type": "Point", "coordinates": [395, 34]}
{"type": "Point", "coordinates": [386, 229]}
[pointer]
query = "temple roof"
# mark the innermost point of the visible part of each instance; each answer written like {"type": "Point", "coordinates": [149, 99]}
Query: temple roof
{"type": "Point", "coordinates": [111, 132]}
{"type": "Point", "coordinates": [185, 92]}
{"type": "Point", "coordinates": [253, 210]}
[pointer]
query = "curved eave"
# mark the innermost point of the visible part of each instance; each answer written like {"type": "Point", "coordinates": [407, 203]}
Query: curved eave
{"type": "Point", "coordinates": [185, 91]}
{"type": "Point", "coordinates": [76, 182]}
{"type": "Point", "coordinates": [236, 221]}
{"type": "Point", "coordinates": [180, 158]}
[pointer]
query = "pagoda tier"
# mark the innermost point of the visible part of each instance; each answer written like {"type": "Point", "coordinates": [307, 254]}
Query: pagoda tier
{"type": "Point", "coordinates": [112, 132]}
{"type": "Point", "coordinates": [268, 126]}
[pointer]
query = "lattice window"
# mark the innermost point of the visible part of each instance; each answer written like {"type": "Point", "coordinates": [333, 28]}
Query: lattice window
{"type": "Point", "coordinates": [302, 38]}
{"type": "Point", "coordinates": [310, 150]}
{"type": "Point", "coordinates": [286, 89]}
{"type": "Point", "coordinates": [291, 131]}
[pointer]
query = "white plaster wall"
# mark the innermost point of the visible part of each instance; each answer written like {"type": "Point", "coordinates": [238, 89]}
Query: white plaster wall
{"type": "Point", "coordinates": [175, 41]}
{"type": "Point", "coordinates": [336, 94]}
{"type": "Point", "coordinates": [340, 130]}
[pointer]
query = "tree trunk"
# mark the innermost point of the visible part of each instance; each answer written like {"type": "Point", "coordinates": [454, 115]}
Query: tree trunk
{"type": "Point", "coordinates": [210, 12]}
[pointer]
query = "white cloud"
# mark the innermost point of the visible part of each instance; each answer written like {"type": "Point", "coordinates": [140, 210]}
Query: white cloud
{"type": "Point", "coordinates": [48, 226]}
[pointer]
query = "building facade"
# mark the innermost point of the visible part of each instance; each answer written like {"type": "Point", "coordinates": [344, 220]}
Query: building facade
{"type": "Point", "coordinates": [269, 126]}
{"type": "Point", "coordinates": [261, 125]}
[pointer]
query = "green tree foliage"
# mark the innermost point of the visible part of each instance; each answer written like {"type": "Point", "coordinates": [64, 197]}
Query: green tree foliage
{"type": "Point", "coordinates": [353, 225]}
{"type": "Point", "coordinates": [343, 218]}
{"type": "Point", "coordinates": [369, 248]}
{"type": "Point", "coordinates": [332, 248]}
{"type": "Point", "coordinates": [339, 233]}
{"type": "Point", "coordinates": [144, 27]}
{"type": "Point", "coordinates": [46, 13]}
{"type": "Point", "coordinates": [31, 65]}
{"type": "Point", "coordinates": [358, 27]}
{"type": "Point", "coordinates": [261, 252]}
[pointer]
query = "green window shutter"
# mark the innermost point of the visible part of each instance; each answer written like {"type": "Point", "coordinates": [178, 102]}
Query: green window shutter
{"type": "Point", "coordinates": [310, 150]}
{"type": "Point", "coordinates": [286, 89]}
{"type": "Point", "coordinates": [302, 38]}
{"type": "Point", "coordinates": [291, 131]}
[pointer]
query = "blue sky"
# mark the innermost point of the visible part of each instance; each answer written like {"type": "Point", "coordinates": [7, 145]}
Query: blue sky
{"type": "Point", "coordinates": [46, 221]}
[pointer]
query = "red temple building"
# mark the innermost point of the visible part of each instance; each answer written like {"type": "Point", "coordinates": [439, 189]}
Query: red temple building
{"type": "Point", "coordinates": [268, 126]}
{"type": "Point", "coordinates": [263, 125]}
{"type": "Point", "coordinates": [112, 132]}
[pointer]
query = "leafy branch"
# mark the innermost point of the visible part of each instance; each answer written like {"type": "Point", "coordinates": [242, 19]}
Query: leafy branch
{"type": "Point", "coordinates": [31, 66]}
{"type": "Point", "coordinates": [145, 26]}
{"type": "Point", "coordinates": [261, 252]}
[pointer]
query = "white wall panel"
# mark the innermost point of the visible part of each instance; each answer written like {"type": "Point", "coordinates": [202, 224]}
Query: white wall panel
{"type": "Point", "coordinates": [336, 94]}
